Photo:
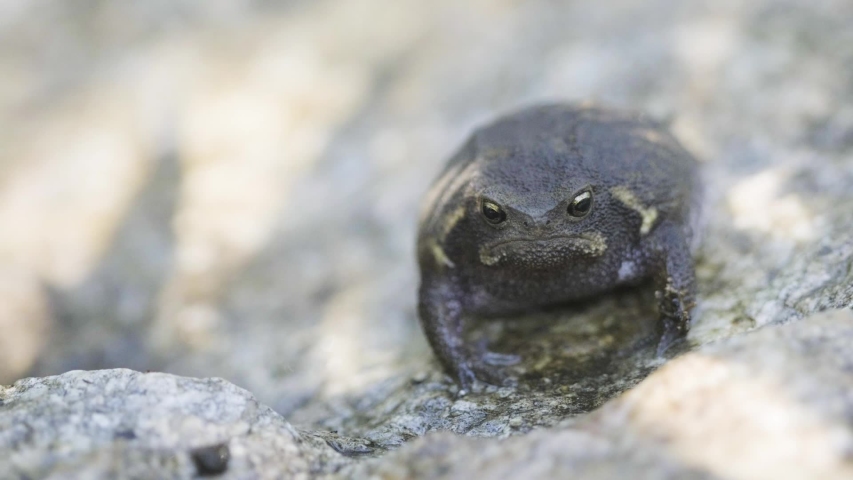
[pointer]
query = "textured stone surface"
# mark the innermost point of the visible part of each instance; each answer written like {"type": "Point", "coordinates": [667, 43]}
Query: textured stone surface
{"type": "Point", "coordinates": [231, 189]}
{"type": "Point", "coordinates": [771, 404]}
{"type": "Point", "coordinates": [125, 424]}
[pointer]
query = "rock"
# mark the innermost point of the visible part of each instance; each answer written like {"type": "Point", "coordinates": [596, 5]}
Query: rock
{"type": "Point", "coordinates": [126, 424]}
{"type": "Point", "coordinates": [770, 404]}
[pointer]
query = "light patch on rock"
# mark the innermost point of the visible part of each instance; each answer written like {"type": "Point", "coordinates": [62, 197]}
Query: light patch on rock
{"type": "Point", "coordinates": [653, 136]}
{"type": "Point", "coordinates": [703, 46]}
{"type": "Point", "coordinates": [340, 354]}
{"type": "Point", "coordinates": [64, 197]}
{"type": "Point", "coordinates": [757, 203]}
{"type": "Point", "coordinates": [739, 409]}
{"type": "Point", "coordinates": [25, 322]}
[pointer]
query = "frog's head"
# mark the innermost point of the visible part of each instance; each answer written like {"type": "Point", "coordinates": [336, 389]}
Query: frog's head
{"type": "Point", "coordinates": [530, 210]}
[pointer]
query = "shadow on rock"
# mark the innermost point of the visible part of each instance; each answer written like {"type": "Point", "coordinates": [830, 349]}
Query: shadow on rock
{"type": "Point", "coordinates": [572, 344]}
{"type": "Point", "coordinates": [102, 322]}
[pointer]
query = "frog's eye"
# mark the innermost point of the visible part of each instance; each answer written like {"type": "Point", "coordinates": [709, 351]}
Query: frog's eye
{"type": "Point", "coordinates": [581, 204]}
{"type": "Point", "coordinates": [493, 212]}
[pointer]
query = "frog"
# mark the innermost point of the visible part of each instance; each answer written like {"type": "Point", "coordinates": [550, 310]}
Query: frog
{"type": "Point", "coordinates": [552, 204]}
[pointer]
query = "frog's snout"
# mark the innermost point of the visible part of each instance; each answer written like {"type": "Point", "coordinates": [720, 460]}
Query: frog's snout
{"type": "Point", "coordinates": [538, 227]}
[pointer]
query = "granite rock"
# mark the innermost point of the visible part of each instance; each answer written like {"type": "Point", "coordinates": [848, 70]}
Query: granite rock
{"type": "Point", "coordinates": [126, 424]}
{"type": "Point", "coordinates": [769, 404]}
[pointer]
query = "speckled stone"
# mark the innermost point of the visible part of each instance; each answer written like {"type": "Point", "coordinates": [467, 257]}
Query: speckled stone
{"type": "Point", "coordinates": [126, 424]}
{"type": "Point", "coordinates": [770, 404]}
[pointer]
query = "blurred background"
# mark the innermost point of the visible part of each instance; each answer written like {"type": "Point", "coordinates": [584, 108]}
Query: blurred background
{"type": "Point", "coordinates": [231, 188]}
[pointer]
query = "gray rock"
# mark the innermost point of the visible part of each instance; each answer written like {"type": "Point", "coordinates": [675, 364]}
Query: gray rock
{"type": "Point", "coordinates": [125, 424]}
{"type": "Point", "coordinates": [771, 404]}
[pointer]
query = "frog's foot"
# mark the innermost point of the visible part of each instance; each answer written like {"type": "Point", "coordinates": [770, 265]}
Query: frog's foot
{"type": "Point", "coordinates": [499, 359]}
{"type": "Point", "coordinates": [675, 308]}
{"type": "Point", "coordinates": [477, 370]}
{"type": "Point", "coordinates": [670, 336]}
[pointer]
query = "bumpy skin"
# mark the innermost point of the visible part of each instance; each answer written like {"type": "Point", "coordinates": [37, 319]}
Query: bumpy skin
{"type": "Point", "coordinates": [532, 164]}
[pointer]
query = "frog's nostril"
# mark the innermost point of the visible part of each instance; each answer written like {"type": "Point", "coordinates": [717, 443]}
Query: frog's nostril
{"type": "Point", "coordinates": [548, 222]}
{"type": "Point", "coordinates": [526, 224]}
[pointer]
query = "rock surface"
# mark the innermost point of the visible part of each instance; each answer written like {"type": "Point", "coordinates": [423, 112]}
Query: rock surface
{"type": "Point", "coordinates": [231, 189]}
{"type": "Point", "coordinates": [769, 404]}
{"type": "Point", "coordinates": [125, 424]}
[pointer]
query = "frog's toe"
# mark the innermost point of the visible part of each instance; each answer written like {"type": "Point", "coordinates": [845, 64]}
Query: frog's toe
{"type": "Point", "coordinates": [500, 359]}
{"type": "Point", "coordinates": [668, 338]}
{"type": "Point", "coordinates": [675, 326]}
{"type": "Point", "coordinates": [472, 375]}
{"type": "Point", "coordinates": [490, 374]}
{"type": "Point", "coordinates": [465, 377]}
{"type": "Point", "coordinates": [480, 349]}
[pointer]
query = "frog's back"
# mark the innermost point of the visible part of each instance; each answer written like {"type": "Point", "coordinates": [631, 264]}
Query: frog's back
{"type": "Point", "coordinates": [616, 148]}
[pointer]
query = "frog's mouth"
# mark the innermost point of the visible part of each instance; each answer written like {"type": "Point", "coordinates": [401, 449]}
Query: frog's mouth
{"type": "Point", "coordinates": [543, 253]}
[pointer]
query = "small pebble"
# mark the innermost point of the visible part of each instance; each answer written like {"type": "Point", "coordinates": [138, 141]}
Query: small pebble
{"type": "Point", "coordinates": [210, 461]}
{"type": "Point", "coordinates": [125, 434]}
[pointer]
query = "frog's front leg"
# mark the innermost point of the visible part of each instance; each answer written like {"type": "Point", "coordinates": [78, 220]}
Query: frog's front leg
{"type": "Point", "coordinates": [440, 309]}
{"type": "Point", "coordinates": [675, 283]}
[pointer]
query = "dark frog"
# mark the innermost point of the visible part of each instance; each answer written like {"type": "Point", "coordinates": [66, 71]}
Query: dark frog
{"type": "Point", "coordinates": [552, 204]}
